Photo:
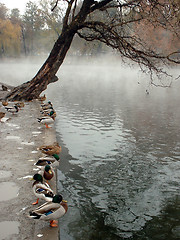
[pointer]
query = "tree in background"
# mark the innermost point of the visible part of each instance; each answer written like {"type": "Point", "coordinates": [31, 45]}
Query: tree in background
{"type": "Point", "coordinates": [3, 11]}
{"type": "Point", "coordinates": [53, 19]}
{"type": "Point", "coordinates": [32, 23]}
{"type": "Point", "coordinates": [110, 22]}
{"type": "Point", "coordinates": [15, 16]}
{"type": "Point", "coordinates": [9, 33]}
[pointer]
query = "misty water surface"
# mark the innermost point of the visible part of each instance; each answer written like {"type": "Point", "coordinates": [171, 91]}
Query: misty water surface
{"type": "Point", "coordinates": [119, 166]}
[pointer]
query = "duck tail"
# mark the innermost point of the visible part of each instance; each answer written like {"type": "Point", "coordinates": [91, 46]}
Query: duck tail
{"type": "Point", "coordinates": [39, 119]}
{"type": "Point", "coordinates": [34, 215]}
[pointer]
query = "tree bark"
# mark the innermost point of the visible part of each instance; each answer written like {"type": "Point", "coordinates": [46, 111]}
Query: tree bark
{"type": "Point", "coordinates": [47, 74]}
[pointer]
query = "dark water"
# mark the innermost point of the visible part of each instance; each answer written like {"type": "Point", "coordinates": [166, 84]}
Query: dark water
{"type": "Point", "coordinates": [120, 164]}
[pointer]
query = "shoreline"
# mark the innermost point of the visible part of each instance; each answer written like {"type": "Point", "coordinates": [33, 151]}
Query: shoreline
{"type": "Point", "coordinates": [21, 135]}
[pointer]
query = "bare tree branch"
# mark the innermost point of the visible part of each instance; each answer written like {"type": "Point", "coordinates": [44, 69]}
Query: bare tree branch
{"type": "Point", "coordinates": [68, 11]}
{"type": "Point", "coordinates": [55, 5]}
{"type": "Point", "coordinates": [74, 9]}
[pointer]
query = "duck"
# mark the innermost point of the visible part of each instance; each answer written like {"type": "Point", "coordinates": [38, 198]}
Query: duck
{"type": "Point", "coordinates": [4, 88]}
{"type": "Point", "coordinates": [147, 92]}
{"type": "Point", "coordinates": [13, 109]}
{"type": "Point", "coordinates": [42, 98]}
{"type": "Point", "coordinates": [4, 103]}
{"type": "Point", "coordinates": [50, 113]}
{"type": "Point", "coordinates": [51, 149]}
{"type": "Point", "coordinates": [46, 120]}
{"type": "Point", "coordinates": [47, 172]}
{"type": "Point", "coordinates": [19, 104]}
{"type": "Point", "coordinates": [48, 104]}
{"type": "Point", "coordinates": [2, 114]}
{"type": "Point", "coordinates": [51, 211]}
{"type": "Point", "coordinates": [47, 160]}
{"type": "Point", "coordinates": [41, 190]}
{"type": "Point", "coordinates": [47, 111]}
{"type": "Point", "coordinates": [46, 107]}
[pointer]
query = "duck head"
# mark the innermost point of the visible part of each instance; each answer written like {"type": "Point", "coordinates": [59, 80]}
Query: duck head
{"type": "Point", "coordinates": [57, 198]}
{"type": "Point", "coordinates": [38, 177]}
{"type": "Point", "coordinates": [47, 168]}
{"type": "Point", "coordinates": [56, 156]}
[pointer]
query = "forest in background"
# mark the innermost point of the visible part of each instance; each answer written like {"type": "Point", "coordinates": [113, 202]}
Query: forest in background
{"type": "Point", "coordinates": [35, 32]}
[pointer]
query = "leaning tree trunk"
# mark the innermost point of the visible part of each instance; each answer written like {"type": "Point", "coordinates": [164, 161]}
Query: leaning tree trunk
{"type": "Point", "coordinates": [47, 74]}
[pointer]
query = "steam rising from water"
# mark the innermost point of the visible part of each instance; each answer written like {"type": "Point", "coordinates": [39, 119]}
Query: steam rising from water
{"type": "Point", "coordinates": [15, 72]}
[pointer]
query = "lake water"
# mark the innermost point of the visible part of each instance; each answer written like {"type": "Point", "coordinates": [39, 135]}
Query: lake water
{"type": "Point", "coordinates": [120, 164]}
{"type": "Point", "coordinates": [120, 160]}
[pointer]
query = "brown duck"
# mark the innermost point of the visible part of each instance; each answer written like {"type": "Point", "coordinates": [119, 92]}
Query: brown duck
{"type": "Point", "coordinates": [51, 149]}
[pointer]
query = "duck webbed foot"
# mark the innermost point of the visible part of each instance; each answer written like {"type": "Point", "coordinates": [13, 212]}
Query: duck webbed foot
{"type": "Point", "coordinates": [47, 125]}
{"type": "Point", "coordinates": [54, 223]}
{"type": "Point", "coordinates": [34, 203]}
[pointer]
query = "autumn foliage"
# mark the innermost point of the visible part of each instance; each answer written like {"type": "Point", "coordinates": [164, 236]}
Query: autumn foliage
{"type": "Point", "coordinates": [9, 38]}
{"type": "Point", "coordinates": [162, 37]}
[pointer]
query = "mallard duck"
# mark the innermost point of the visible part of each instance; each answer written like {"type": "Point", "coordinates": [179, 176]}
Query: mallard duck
{"type": "Point", "coordinates": [41, 190]}
{"type": "Point", "coordinates": [2, 114]}
{"type": "Point", "coordinates": [51, 114]}
{"type": "Point", "coordinates": [4, 103]}
{"type": "Point", "coordinates": [13, 109]}
{"type": "Point", "coordinates": [47, 172]}
{"type": "Point", "coordinates": [42, 98]}
{"type": "Point", "coordinates": [147, 92]}
{"type": "Point", "coordinates": [4, 88]}
{"type": "Point", "coordinates": [46, 107]}
{"type": "Point", "coordinates": [19, 104]}
{"type": "Point", "coordinates": [47, 111]}
{"type": "Point", "coordinates": [46, 120]}
{"type": "Point", "coordinates": [51, 210]}
{"type": "Point", "coordinates": [47, 160]}
{"type": "Point", "coordinates": [51, 149]}
{"type": "Point", "coordinates": [46, 104]}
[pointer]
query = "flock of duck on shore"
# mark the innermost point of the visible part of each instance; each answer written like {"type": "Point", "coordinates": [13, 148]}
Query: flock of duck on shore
{"type": "Point", "coordinates": [54, 206]}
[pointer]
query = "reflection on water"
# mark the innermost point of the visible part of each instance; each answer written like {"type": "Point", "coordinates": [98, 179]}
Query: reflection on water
{"type": "Point", "coordinates": [120, 166]}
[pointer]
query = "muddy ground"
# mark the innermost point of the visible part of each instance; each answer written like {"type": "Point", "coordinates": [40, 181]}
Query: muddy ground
{"type": "Point", "coordinates": [20, 136]}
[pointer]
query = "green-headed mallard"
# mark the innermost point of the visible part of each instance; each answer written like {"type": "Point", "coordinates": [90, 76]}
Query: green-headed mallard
{"type": "Point", "coordinates": [47, 160]}
{"type": "Point", "coordinates": [51, 210]}
{"type": "Point", "coordinates": [46, 120]}
{"type": "Point", "coordinates": [41, 190]}
{"type": "Point", "coordinates": [51, 149]}
{"type": "Point", "coordinates": [51, 114]}
{"type": "Point", "coordinates": [47, 172]}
